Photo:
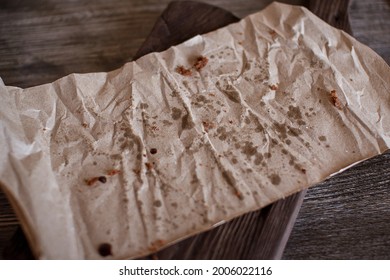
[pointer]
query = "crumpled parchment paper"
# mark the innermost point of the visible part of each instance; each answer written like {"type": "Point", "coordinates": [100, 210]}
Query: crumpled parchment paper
{"type": "Point", "coordinates": [121, 164]}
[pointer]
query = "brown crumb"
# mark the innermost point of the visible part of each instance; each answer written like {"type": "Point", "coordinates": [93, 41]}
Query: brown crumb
{"type": "Point", "coordinates": [85, 125]}
{"type": "Point", "coordinates": [239, 195]}
{"type": "Point", "coordinates": [335, 100]}
{"type": "Point", "coordinates": [303, 170]}
{"type": "Point", "coordinates": [149, 165]}
{"type": "Point", "coordinates": [105, 249]}
{"type": "Point", "coordinates": [183, 71]}
{"type": "Point", "coordinates": [113, 172]}
{"type": "Point", "coordinates": [201, 62]}
{"type": "Point", "coordinates": [207, 126]}
{"type": "Point", "coordinates": [102, 179]}
{"type": "Point", "coordinates": [273, 87]}
{"type": "Point", "coordinates": [156, 245]}
{"type": "Point", "coordinates": [272, 32]}
{"type": "Point", "coordinates": [160, 242]}
{"type": "Point", "coordinates": [91, 181]}
{"type": "Point", "coordinates": [153, 151]}
{"type": "Point", "coordinates": [137, 171]}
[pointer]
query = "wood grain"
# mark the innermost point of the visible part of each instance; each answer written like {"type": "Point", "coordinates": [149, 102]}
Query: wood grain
{"type": "Point", "coordinates": [334, 12]}
{"type": "Point", "coordinates": [370, 22]}
{"type": "Point", "coordinates": [348, 216]}
{"type": "Point", "coordinates": [258, 235]}
{"type": "Point", "coordinates": [175, 26]}
{"type": "Point", "coordinates": [42, 40]}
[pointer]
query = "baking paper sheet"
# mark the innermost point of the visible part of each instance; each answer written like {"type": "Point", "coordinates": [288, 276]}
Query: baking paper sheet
{"type": "Point", "coordinates": [120, 164]}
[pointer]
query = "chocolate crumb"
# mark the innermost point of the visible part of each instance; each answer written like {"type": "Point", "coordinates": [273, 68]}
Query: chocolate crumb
{"type": "Point", "coordinates": [272, 32]}
{"type": "Point", "coordinates": [137, 171]}
{"type": "Point", "coordinates": [201, 62]}
{"type": "Point", "coordinates": [208, 125]}
{"type": "Point", "coordinates": [335, 100]}
{"type": "Point", "coordinates": [153, 151]}
{"type": "Point", "coordinates": [102, 179]}
{"type": "Point", "coordinates": [105, 249]}
{"type": "Point", "coordinates": [91, 181]}
{"type": "Point", "coordinates": [149, 165]}
{"type": "Point", "coordinates": [183, 71]}
{"type": "Point", "coordinates": [113, 172]}
{"type": "Point", "coordinates": [273, 87]}
{"type": "Point", "coordinates": [239, 195]}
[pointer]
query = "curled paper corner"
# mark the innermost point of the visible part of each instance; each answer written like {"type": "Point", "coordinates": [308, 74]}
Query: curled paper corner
{"type": "Point", "coordinates": [194, 41]}
{"type": "Point", "coordinates": [121, 164]}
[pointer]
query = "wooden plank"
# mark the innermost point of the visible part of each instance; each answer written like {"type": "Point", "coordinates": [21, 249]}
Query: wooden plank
{"type": "Point", "coordinates": [370, 22]}
{"type": "Point", "coordinates": [334, 12]}
{"type": "Point", "coordinates": [258, 235]}
{"type": "Point", "coordinates": [348, 216]}
{"type": "Point", "coordinates": [43, 40]}
{"type": "Point", "coordinates": [181, 21]}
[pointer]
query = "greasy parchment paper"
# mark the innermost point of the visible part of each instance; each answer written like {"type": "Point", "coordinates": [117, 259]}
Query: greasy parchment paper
{"type": "Point", "coordinates": [284, 102]}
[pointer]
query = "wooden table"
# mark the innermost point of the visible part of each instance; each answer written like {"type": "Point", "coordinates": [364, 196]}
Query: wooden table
{"type": "Point", "coordinates": [345, 217]}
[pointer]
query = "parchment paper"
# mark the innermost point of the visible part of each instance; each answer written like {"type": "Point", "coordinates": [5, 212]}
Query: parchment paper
{"type": "Point", "coordinates": [121, 164]}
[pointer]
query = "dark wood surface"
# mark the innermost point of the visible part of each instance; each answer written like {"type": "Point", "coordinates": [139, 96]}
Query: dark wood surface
{"type": "Point", "coordinates": [174, 26]}
{"type": "Point", "coordinates": [346, 217]}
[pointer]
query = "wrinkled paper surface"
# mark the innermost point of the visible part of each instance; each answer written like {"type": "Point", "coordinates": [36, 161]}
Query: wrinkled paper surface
{"type": "Point", "coordinates": [284, 102]}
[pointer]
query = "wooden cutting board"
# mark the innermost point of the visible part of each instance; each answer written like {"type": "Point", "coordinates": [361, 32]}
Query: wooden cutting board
{"type": "Point", "coordinates": [258, 235]}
